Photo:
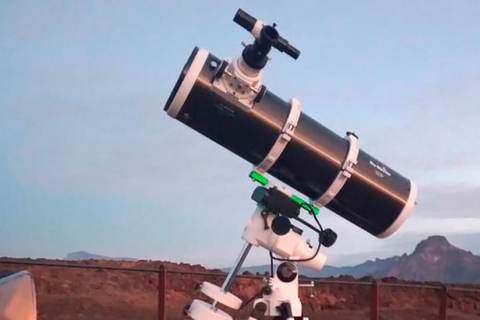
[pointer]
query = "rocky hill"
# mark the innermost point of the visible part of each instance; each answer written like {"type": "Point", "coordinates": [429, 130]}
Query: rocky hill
{"type": "Point", "coordinates": [434, 259]}
{"type": "Point", "coordinates": [83, 255]}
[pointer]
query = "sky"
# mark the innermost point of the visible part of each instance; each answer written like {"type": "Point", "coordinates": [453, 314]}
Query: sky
{"type": "Point", "coordinates": [90, 161]}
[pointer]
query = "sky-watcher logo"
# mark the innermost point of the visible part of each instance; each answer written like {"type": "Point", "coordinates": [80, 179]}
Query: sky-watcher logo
{"type": "Point", "coordinates": [381, 169]}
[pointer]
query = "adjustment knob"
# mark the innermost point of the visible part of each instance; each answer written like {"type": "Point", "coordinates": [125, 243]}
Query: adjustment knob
{"type": "Point", "coordinates": [281, 225]}
{"type": "Point", "coordinates": [328, 237]}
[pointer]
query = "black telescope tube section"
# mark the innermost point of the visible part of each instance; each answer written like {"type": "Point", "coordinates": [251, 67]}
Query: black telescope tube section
{"type": "Point", "coordinates": [373, 198]}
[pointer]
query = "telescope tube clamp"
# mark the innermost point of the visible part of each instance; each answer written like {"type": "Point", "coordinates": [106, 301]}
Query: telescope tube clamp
{"type": "Point", "coordinates": [283, 139]}
{"type": "Point", "coordinates": [344, 174]}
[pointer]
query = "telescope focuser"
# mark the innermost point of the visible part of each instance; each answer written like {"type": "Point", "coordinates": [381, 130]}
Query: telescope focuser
{"type": "Point", "coordinates": [266, 37]}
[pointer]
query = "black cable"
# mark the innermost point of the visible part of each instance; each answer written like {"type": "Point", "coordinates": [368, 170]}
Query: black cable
{"type": "Point", "coordinates": [307, 224]}
{"type": "Point", "coordinates": [298, 260]}
{"type": "Point", "coordinates": [271, 264]}
{"type": "Point", "coordinates": [318, 222]}
{"type": "Point", "coordinates": [309, 208]}
{"type": "Point", "coordinates": [258, 294]}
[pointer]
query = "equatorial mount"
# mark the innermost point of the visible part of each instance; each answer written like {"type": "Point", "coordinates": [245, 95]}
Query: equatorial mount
{"type": "Point", "coordinates": [270, 227]}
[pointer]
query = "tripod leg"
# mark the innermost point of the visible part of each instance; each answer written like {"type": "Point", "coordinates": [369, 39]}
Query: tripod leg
{"type": "Point", "coordinates": [236, 268]}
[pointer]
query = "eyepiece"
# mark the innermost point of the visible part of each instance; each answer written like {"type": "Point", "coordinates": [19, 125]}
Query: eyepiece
{"type": "Point", "coordinates": [283, 46]}
{"type": "Point", "coordinates": [245, 20]}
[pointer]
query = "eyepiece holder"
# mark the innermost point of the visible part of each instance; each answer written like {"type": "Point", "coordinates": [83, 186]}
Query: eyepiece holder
{"type": "Point", "coordinates": [266, 37]}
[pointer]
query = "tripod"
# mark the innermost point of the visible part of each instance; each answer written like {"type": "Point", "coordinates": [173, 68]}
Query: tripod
{"type": "Point", "coordinates": [270, 227]}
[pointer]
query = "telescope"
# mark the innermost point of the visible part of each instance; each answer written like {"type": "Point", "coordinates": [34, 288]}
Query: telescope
{"type": "Point", "coordinates": [227, 101]}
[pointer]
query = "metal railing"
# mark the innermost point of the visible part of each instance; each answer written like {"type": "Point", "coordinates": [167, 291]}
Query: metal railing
{"type": "Point", "coordinates": [162, 272]}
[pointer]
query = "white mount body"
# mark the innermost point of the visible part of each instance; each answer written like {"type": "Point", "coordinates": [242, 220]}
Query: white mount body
{"type": "Point", "coordinates": [258, 232]}
{"type": "Point", "coordinates": [289, 246]}
{"type": "Point", "coordinates": [281, 292]}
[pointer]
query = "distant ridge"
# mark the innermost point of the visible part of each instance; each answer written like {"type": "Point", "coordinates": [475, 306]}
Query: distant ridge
{"type": "Point", "coordinates": [83, 255]}
{"type": "Point", "coordinates": [434, 259]}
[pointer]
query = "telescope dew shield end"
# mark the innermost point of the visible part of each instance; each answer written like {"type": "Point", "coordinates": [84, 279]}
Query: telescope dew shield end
{"type": "Point", "coordinates": [375, 197]}
{"type": "Point", "coordinates": [185, 83]}
{"type": "Point", "coordinates": [409, 206]}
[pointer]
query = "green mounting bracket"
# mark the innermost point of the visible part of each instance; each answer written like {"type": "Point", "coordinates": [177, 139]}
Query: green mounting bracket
{"type": "Point", "coordinates": [257, 177]}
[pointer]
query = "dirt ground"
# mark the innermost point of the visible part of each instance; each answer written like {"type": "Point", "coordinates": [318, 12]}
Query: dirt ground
{"type": "Point", "coordinates": [81, 294]}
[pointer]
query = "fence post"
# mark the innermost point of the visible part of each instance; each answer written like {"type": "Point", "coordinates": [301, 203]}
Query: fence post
{"type": "Point", "coordinates": [162, 282]}
{"type": "Point", "coordinates": [374, 301]}
{"type": "Point", "coordinates": [443, 302]}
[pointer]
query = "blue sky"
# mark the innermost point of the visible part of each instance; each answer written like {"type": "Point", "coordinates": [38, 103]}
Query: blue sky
{"type": "Point", "coordinates": [89, 160]}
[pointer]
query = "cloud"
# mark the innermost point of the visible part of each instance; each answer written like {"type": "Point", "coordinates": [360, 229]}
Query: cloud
{"type": "Point", "coordinates": [439, 129]}
{"type": "Point", "coordinates": [140, 152]}
{"type": "Point", "coordinates": [459, 201]}
{"type": "Point", "coordinates": [442, 226]}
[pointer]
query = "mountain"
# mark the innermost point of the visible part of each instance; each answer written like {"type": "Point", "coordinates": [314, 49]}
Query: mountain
{"type": "Point", "coordinates": [83, 255]}
{"type": "Point", "coordinates": [434, 259]}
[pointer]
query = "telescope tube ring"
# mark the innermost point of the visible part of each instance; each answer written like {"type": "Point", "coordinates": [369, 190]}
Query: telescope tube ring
{"type": "Point", "coordinates": [284, 137]}
{"type": "Point", "coordinates": [344, 174]}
